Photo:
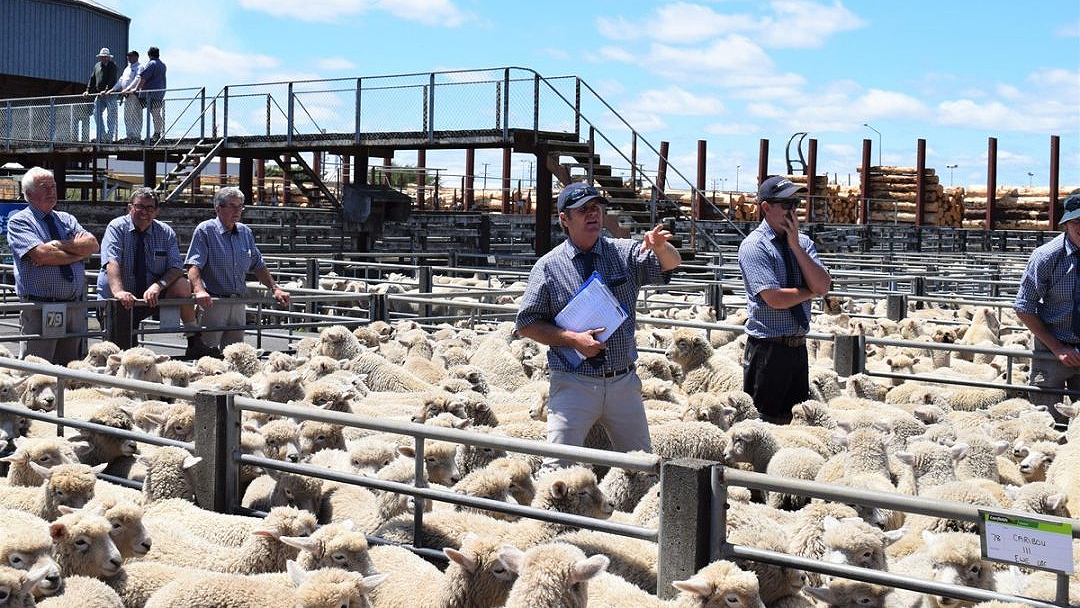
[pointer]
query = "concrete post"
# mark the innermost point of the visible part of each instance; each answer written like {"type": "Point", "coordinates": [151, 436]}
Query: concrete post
{"type": "Point", "coordinates": [685, 514]}
{"type": "Point", "coordinates": [715, 296]}
{"type": "Point", "coordinates": [377, 310]}
{"type": "Point", "coordinates": [896, 306]}
{"type": "Point", "coordinates": [849, 354]}
{"type": "Point", "coordinates": [423, 279]}
{"type": "Point", "coordinates": [217, 436]}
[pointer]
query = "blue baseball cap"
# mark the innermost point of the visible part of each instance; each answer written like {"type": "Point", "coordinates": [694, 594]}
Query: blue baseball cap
{"type": "Point", "coordinates": [1072, 209]}
{"type": "Point", "coordinates": [576, 195]}
{"type": "Point", "coordinates": [778, 186]}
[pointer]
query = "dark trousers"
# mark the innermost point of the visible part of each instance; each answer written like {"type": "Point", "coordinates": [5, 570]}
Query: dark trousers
{"type": "Point", "coordinates": [776, 376]}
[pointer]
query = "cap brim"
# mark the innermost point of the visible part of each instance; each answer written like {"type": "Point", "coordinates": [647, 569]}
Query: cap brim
{"type": "Point", "coordinates": [1070, 215]}
{"type": "Point", "coordinates": [790, 191]}
{"type": "Point", "coordinates": [582, 201]}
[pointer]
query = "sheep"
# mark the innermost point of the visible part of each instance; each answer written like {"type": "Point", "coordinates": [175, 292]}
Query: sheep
{"type": "Point", "coordinates": [148, 415]}
{"type": "Point", "coordinates": [280, 387]}
{"type": "Point", "coordinates": [776, 583]}
{"type": "Point", "coordinates": [383, 376]}
{"type": "Point", "coordinates": [38, 392]}
{"type": "Point", "coordinates": [84, 592]}
{"type": "Point", "coordinates": [469, 458]}
{"type": "Point", "coordinates": [319, 366]}
{"type": "Point", "coordinates": [494, 356]}
{"type": "Point", "coordinates": [808, 531]}
{"type": "Point", "coordinates": [98, 354]}
{"type": "Point", "coordinates": [168, 474]}
{"type": "Point", "coordinates": [475, 576]}
{"type": "Point", "coordinates": [70, 485]}
{"type": "Point", "coordinates": [279, 488]}
{"type": "Point", "coordinates": [261, 552]}
{"type": "Point", "coordinates": [172, 515]}
{"type": "Point", "coordinates": [82, 544]}
{"type": "Point", "coordinates": [278, 361]}
{"type": "Point", "coordinates": [325, 588]}
{"type": "Point", "coordinates": [314, 436]}
{"type": "Point", "coordinates": [720, 583]}
{"type": "Point", "coordinates": [854, 542]}
{"type": "Point", "coordinates": [226, 381]}
{"type": "Point", "coordinates": [752, 442]}
{"type": "Point", "coordinates": [951, 557]}
{"type": "Point", "coordinates": [520, 475]}
{"type": "Point", "coordinates": [281, 440]}
{"type": "Point", "coordinates": [45, 451]}
{"type": "Point", "coordinates": [175, 422]}
{"type": "Point", "coordinates": [105, 448]}
{"type": "Point", "coordinates": [338, 342]}
{"type": "Point", "coordinates": [16, 587]}
{"type": "Point", "coordinates": [330, 394]}
{"type": "Point", "coordinates": [125, 517]}
{"type": "Point", "coordinates": [137, 364]}
{"type": "Point", "coordinates": [1038, 497]}
{"type": "Point", "coordinates": [362, 457]}
{"type": "Point", "coordinates": [701, 370]}
{"type": "Point", "coordinates": [243, 358]}
{"type": "Point", "coordinates": [688, 440]}
{"type": "Point", "coordinates": [721, 409]}
{"type": "Point", "coordinates": [25, 544]}
{"type": "Point", "coordinates": [177, 373]}
{"type": "Point", "coordinates": [625, 487]}
{"type": "Point", "coordinates": [843, 593]}
{"type": "Point", "coordinates": [554, 575]}
{"type": "Point", "coordinates": [489, 484]}
{"type": "Point", "coordinates": [655, 365]}
{"type": "Point", "coordinates": [333, 546]}
{"type": "Point", "coordinates": [572, 490]}
{"type": "Point", "coordinates": [1040, 456]}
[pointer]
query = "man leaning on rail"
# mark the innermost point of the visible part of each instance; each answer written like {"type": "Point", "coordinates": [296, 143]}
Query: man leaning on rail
{"type": "Point", "coordinates": [1048, 304]}
{"type": "Point", "coordinates": [49, 248]}
{"type": "Point", "coordinates": [140, 260]}
{"type": "Point", "coordinates": [221, 254]}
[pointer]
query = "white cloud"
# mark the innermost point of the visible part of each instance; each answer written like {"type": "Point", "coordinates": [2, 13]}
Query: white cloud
{"type": "Point", "coordinates": [227, 66]}
{"type": "Point", "coordinates": [1068, 30]}
{"type": "Point", "coordinates": [676, 101]}
{"type": "Point", "coordinates": [1068, 80]}
{"type": "Point", "coordinates": [334, 64]}
{"type": "Point", "coordinates": [556, 54]}
{"type": "Point", "coordinates": [733, 55]}
{"type": "Point", "coordinates": [615, 53]}
{"type": "Point", "coordinates": [732, 128]}
{"type": "Point", "coordinates": [618, 28]}
{"type": "Point", "coordinates": [802, 24]}
{"type": "Point", "coordinates": [995, 116]}
{"type": "Point", "coordinates": [441, 13]}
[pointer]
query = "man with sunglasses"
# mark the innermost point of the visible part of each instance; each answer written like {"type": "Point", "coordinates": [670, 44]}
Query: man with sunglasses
{"type": "Point", "coordinates": [140, 260]}
{"type": "Point", "coordinates": [1048, 304]}
{"type": "Point", "coordinates": [782, 273]}
{"type": "Point", "coordinates": [605, 388]}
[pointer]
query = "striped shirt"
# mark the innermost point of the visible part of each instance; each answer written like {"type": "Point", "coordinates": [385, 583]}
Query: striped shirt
{"type": "Point", "coordinates": [762, 267]}
{"type": "Point", "coordinates": [118, 245]}
{"type": "Point", "coordinates": [25, 230]}
{"type": "Point", "coordinates": [1048, 286]}
{"type": "Point", "coordinates": [224, 257]}
{"type": "Point", "coordinates": [624, 266]}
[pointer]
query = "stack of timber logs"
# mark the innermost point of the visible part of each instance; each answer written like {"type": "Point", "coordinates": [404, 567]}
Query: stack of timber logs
{"type": "Point", "coordinates": [1015, 209]}
{"type": "Point", "coordinates": [892, 197]}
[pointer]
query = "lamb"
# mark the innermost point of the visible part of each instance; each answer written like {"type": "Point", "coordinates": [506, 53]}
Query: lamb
{"type": "Point", "coordinates": [952, 557]}
{"type": "Point", "coordinates": [854, 542]}
{"type": "Point", "coordinates": [494, 356]}
{"type": "Point", "coordinates": [105, 448]}
{"type": "Point", "coordinates": [175, 422]}
{"type": "Point", "coordinates": [688, 440]}
{"type": "Point", "coordinates": [281, 440]}
{"type": "Point", "coordinates": [280, 387]}
{"type": "Point", "coordinates": [243, 358]}
{"type": "Point", "coordinates": [330, 394]}
{"type": "Point", "coordinates": [383, 376]}
{"type": "Point", "coordinates": [168, 474]}
{"type": "Point", "coordinates": [333, 546]}
{"type": "Point", "coordinates": [808, 531]}
{"type": "Point", "coordinates": [326, 588]}
{"type": "Point", "coordinates": [1038, 497]}
{"type": "Point", "coordinates": [843, 593]}
{"type": "Point", "coordinates": [655, 365]}
{"type": "Point", "coordinates": [319, 366]}
{"type": "Point", "coordinates": [314, 436]}
{"type": "Point", "coordinates": [25, 544]}
{"type": "Point", "coordinates": [469, 458]}
{"type": "Point", "coordinates": [82, 545]}
{"type": "Point", "coordinates": [137, 364]}
{"type": "Point", "coordinates": [84, 592]}
{"type": "Point", "coordinates": [752, 442]}
{"type": "Point", "coordinates": [338, 342]}
{"type": "Point", "coordinates": [38, 392]}
{"type": "Point", "coordinates": [174, 515]}
{"type": "Point", "coordinates": [261, 552]}
{"type": "Point", "coordinates": [625, 488]}
{"type": "Point", "coordinates": [475, 576]}
{"type": "Point", "coordinates": [177, 373]}
{"type": "Point", "coordinates": [701, 370]}
{"type": "Point", "coordinates": [44, 451]}
{"type": "Point", "coordinates": [70, 485]}
{"type": "Point", "coordinates": [226, 381]}
{"type": "Point", "coordinates": [721, 583]}
{"type": "Point", "coordinates": [489, 484]}
{"type": "Point", "coordinates": [520, 475]}
{"type": "Point", "coordinates": [776, 583]}
{"type": "Point", "coordinates": [722, 410]}
{"type": "Point", "coordinates": [362, 457]}
{"type": "Point", "coordinates": [554, 575]}
{"type": "Point", "coordinates": [1040, 456]}
{"type": "Point", "coordinates": [278, 361]}
{"type": "Point", "coordinates": [125, 517]}
{"type": "Point", "coordinates": [98, 354]}
{"type": "Point", "coordinates": [279, 488]}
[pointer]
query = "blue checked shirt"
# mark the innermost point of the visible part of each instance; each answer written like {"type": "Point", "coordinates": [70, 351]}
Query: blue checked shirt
{"type": "Point", "coordinates": [118, 246]}
{"type": "Point", "coordinates": [25, 230]}
{"type": "Point", "coordinates": [624, 266]}
{"type": "Point", "coordinates": [1048, 286]}
{"type": "Point", "coordinates": [224, 257]}
{"type": "Point", "coordinates": [762, 268]}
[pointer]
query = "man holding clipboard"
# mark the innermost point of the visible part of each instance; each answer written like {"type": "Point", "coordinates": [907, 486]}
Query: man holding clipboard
{"type": "Point", "coordinates": [592, 368]}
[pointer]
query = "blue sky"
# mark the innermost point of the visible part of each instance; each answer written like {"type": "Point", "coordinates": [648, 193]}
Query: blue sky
{"type": "Point", "coordinates": [731, 72]}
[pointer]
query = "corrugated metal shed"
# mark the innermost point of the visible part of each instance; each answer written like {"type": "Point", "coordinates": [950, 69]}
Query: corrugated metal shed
{"type": "Point", "coordinates": [56, 41]}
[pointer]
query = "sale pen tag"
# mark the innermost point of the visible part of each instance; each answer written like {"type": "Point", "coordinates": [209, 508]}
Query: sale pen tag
{"type": "Point", "coordinates": [1023, 540]}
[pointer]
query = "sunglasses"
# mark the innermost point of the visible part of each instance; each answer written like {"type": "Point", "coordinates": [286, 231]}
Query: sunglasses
{"type": "Point", "coordinates": [139, 207]}
{"type": "Point", "coordinates": [787, 203]}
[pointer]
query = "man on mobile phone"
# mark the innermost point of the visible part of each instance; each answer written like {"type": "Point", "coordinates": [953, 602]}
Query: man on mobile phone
{"type": "Point", "coordinates": [782, 273]}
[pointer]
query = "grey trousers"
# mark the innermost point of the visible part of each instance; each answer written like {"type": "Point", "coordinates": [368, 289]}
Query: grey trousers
{"type": "Point", "coordinates": [222, 315]}
{"type": "Point", "coordinates": [58, 351]}
{"type": "Point", "coordinates": [577, 402]}
{"type": "Point", "coordinates": [1051, 374]}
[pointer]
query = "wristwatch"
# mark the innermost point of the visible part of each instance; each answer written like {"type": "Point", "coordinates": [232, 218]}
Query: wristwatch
{"type": "Point", "coordinates": [162, 283]}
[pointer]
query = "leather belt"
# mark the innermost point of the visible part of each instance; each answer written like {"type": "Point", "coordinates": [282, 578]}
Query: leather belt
{"type": "Point", "coordinates": [44, 299]}
{"type": "Point", "coordinates": [617, 373]}
{"type": "Point", "coordinates": [789, 341]}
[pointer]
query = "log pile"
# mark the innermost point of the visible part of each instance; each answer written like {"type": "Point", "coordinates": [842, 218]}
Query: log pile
{"type": "Point", "coordinates": [892, 197]}
{"type": "Point", "coordinates": [1015, 208]}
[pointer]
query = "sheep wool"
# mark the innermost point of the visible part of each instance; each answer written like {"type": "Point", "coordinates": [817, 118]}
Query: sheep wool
{"type": "Point", "coordinates": [553, 575]}
{"type": "Point", "coordinates": [69, 485]}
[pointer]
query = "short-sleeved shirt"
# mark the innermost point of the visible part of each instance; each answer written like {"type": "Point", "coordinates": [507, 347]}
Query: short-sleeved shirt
{"type": "Point", "coordinates": [118, 246]}
{"type": "Point", "coordinates": [224, 257]}
{"type": "Point", "coordinates": [25, 230]}
{"type": "Point", "coordinates": [762, 267]}
{"type": "Point", "coordinates": [1048, 286]}
{"type": "Point", "coordinates": [131, 72]}
{"type": "Point", "coordinates": [556, 277]}
{"type": "Point", "coordinates": [153, 77]}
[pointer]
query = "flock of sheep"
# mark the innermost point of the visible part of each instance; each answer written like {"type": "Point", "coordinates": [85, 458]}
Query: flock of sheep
{"type": "Point", "coordinates": [68, 538]}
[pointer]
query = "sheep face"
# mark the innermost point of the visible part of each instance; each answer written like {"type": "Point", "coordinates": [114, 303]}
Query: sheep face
{"type": "Point", "coordinates": [842, 593]}
{"type": "Point", "coordinates": [721, 583]}
{"type": "Point", "coordinates": [332, 587]}
{"type": "Point", "coordinates": [1039, 457]}
{"type": "Point", "coordinates": [437, 403]}
{"type": "Point", "coordinates": [956, 561]}
{"type": "Point", "coordinates": [83, 545]}
{"type": "Point", "coordinates": [32, 552]}
{"type": "Point", "coordinates": [370, 456]}
{"type": "Point", "coordinates": [281, 439]}
{"type": "Point", "coordinates": [689, 348]}
{"type": "Point", "coordinates": [127, 529]}
{"type": "Point", "coordinates": [281, 387]}
{"type": "Point", "coordinates": [98, 354]}
{"type": "Point", "coordinates": [138, 364]}
{"type": "Point", "coordinates": [439, 461]}
{"type": "Point", "coordinates": [315, 436]}
{"type": "Point", "coordinates": [573, 490]}
{"type": "Point", "coordinates": [39, 393]}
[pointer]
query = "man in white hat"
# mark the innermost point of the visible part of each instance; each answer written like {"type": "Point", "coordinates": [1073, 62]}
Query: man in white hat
{"type": "Point", "coordinates": [102, 80]}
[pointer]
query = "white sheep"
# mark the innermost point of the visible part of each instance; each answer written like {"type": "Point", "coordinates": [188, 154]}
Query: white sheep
{"type": "Point", "coordinates": [242, 357]}
{"type": "Point", "coordinates": [44, 451]}
{"type": "Point", "coordinates": [953, 558]}
{"type": "Point", "coordinates": [702, 371]}
{"type": "Point", "coordinates": [555, 575]}
{"type": "Point", "coordinates": [168, 474]}
{"type": "Point", "coordinates": [69, 485]}
{"type": "Point", "coordinates": [25, 544]}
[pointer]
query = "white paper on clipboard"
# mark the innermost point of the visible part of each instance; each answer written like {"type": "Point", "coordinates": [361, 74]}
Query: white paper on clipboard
{"type": "Point", "coordinates": [593, 306]}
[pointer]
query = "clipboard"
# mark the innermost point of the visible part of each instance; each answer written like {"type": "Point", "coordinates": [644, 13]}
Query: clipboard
{"type": "Point", "coordinates": [592, 305]}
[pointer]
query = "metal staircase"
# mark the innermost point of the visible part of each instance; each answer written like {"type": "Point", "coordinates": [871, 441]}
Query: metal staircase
{"type": "Point", "coordinates": [309, 183]}
{"type": "Point", "coordinates": [188, 168]}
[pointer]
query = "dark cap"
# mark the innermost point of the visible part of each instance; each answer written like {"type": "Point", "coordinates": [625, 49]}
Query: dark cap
{"type": "Point", "coordinates": [1072, 209]}
{"type": "Point", "coordinates": [135, 53]}
{"type": "Point", "coordinates": [576, 195]}
{"type": "Point", "coordinates": [778, 186]}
